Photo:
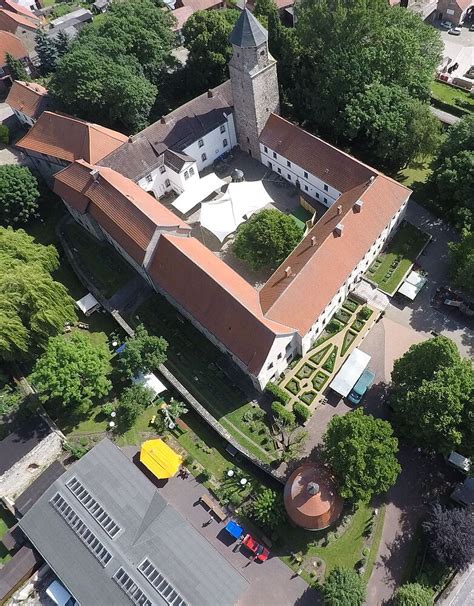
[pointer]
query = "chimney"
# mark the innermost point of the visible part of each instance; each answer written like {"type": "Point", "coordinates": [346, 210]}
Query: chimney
{"type": "Point", "coordinates": [313, 240]}
{"type": "Point", "coordinates": [95, 175]}
{"type": "Point", "coordinates": [288, 271]}
{"type": "Point", "coordinates": [339, 209]}
{"type": "Point", "coordinates": [358, 206]}
{"type": "Point", "coordinates": [210, 93]}
{"type": "Point", "coordinates": [339, 229]}
{"type": "Point", "coordinates": [163, 120]}
{"type": "Point", "coordinates": [372, 179]}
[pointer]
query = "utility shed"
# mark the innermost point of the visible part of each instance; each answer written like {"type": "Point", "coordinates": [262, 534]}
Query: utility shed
{"type": "Point", "coordinates": [350, 372]}
{"type": "Point", "coordinates": [111, 538]}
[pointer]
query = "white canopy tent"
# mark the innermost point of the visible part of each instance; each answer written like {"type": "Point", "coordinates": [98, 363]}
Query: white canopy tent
{"type": "Point", "coordinates": [412, 285]}
{"type": "Point", "coordinates": [350, 372]}
{"type": "Point", "coordinates": [151, 381]}
{"type": "Point", "coordinates": [88, 304]}
{"type": "Point", "coordinates": [199, 191]}
{"type": "Point", "coordinates": [241, 200]}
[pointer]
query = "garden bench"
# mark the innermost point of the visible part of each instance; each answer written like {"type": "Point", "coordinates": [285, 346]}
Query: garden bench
{"type": "Point", "coordinates": [217, 511]}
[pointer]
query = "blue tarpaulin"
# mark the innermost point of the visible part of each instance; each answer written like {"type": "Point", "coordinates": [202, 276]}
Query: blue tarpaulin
{"type": "Point", "coordinates": [120, 349]}
{"type": "Point", "coordinates": [234, 529]}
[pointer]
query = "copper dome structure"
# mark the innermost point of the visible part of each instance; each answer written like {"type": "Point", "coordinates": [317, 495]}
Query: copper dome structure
{"type": "Point", "coordinates": [311, 499]}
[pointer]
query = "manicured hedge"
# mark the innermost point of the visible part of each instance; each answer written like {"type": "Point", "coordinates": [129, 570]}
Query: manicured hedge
{"type": "Point", "coordinates": [301, 412]}
{"type": "Point", "coordinates": [280, 412]}
{"type": "Point", "coordinates": [278, 393]}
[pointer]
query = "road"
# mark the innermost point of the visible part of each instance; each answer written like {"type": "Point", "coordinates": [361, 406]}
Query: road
{"type": "Point", "coordinates": [463, 592]}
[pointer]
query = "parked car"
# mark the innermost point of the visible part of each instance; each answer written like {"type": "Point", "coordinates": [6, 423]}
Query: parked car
{"type": "Point", "coordinates": [360, 388]}
{"type": "Point", "coordinates": [446, 24]}
{"type": "Point", "coordinates": [455, 31]}
{"type": "Point", "coordinates": [260, 552]}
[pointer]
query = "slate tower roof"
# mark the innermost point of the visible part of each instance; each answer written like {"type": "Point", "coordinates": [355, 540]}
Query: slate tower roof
{"type": "Point", "coordinates": [248, 32]}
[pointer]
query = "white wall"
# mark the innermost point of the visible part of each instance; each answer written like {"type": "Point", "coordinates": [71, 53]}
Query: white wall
{"type": "Point", "coordinates": [156, 181]}
{"type": "Point", "coordinates": [213, 145]}
{"type": "Point", "coordinates": [280, 355]}
{"type": "Point", "coordinates": [311, 185]}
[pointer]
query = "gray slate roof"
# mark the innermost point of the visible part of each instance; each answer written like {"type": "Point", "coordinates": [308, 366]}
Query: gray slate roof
{"type": "Point", "coordinates": [149, 528]}
{"type": "Point", "coordinates": [175, 131]}
{"type": "Point", "coordinates": [248, 31]}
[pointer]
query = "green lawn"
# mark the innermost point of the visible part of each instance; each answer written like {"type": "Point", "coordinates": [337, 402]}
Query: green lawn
{"type": "Point", "coordinates": [6, 522]}
{"type": "Point", "coordinates": [416, 174]}
{"type": "Point", "coordinates": [300, 215]}
{"type": "Point", "coordinates": [401, 252]}
{"type": "Point", "coordinates": [196, 364]}
{"type": "Point", "coordinates": [449, 98]}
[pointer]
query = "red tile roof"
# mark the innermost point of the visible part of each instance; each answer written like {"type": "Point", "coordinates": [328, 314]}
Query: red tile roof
{"type": "Point", "coordinates": [181, 15]}
{"type": "Point", "coordinates": [203, 5]}
{"type": "Point", "coordinates": [10, 21]}
{"type": "Point", "coordinates": [319, 267]}
{"type": "Point", "coordinates": [217, 297]}
{"type": "Point", "coordinates": [129, 214]}
{"type": "Point", "coordinates": [11, 45]}
{"type": "Point", "coordinates": [14, 7]}
{"type": "Point", "coordinates": [338, 169]}
{"type": "Point", "coordinates": [71, 139]}
{"type": "Point", "coordinates": [28, 97]}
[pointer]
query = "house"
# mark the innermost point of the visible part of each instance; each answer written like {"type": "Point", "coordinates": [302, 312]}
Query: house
{"type": "Point", "coordinates": [23, 7]}
{"type": "Point", "coordinates": [11, 45]}
{"type": "Point", "coordinates": [100, 6]}
{"type": "Point", "coordinates": [111, 538]}
{"type": "Point", "coordinates": [24, 28]}
{"type": "Point", "coordinates": [181, 15]}
{"type": "Point", "coordinates": [453, 10]}
{"type": "Point", "coordinates": [71, 24]}
{"type": "Point", "coordinates": [201, 5]}
{"type": "Point", "coordinates": [28, 101]}
{"type": "Point", "coordinates": [56, 140]}
{"type": "Point", "coordinates": [261, 330]}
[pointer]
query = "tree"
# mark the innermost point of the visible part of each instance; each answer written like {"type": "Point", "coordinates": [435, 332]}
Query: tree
{"type": "Point", "coordinates": [450, 536]}
{"type": "Point", "coordinates": [73, 371]}
{"type": "Point", "coordinates": [18, 194]}
{"type": "Point", "coordinates": [47, 52]}
{"type": "Point", "coordinates": [143, 353]}
{"type": "Point", "coordinates": [133, 401]}
{"type": "Point", "coordinates": [104, 88]}
{"type": "Point", "coordinates": [17, 69]}
{"type": "Point", "coordinates": [453, 174]}
{"type": "Point", "coordinates": [267, 238]}
{"type": "Point", "coordinates": [172, 412]}
{"type": "Point", "coordinates": [431, 396]}
{"type": "Point", "coordinates": [462, 263]}
{"type": "Point", "coordinates": [413, 594]}
{"type": "Point", "coordinates": [267, 508]}
{"type": "Point", "coordinates": [361, 450]}
{"type": "Point", "coordinates": [343, 587]}
{"type": "Point", "coordinates": [291, 438]}
{"type": "Point", "coordinates": [33, 306]}
{"type": "Point", "coordinates": [264, 8]}
{"type": "Point", "coordinates": [206, 36]}
{"type": "Point", "coordinates": [62, 43]}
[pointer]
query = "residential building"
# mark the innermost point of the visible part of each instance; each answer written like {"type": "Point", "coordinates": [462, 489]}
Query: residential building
{"type": "Point", "coordinates": [453, 10]}
{"type": "Point", "coordinates": [181, 15]}
{"type": "Point", "coordinates": [28, 101]}
{"type": "Point", "coordinates": [11, 45]}
{"type": "Point", "coordinates": [71, 24]}
{"type": "Point", "coordinates": [201, 5]}
{"type": "Point", "coordinates": [111, 538]}
{"type": "Point", "coordinates": [24, 28]}
{"type": "Point", "coordinates": [23, 7]}
{"type": "Point", "coordinates": [56, 140]}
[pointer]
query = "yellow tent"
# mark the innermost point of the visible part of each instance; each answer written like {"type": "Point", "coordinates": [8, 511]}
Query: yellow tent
{"type": "Point", "coordinates": [160, 459]}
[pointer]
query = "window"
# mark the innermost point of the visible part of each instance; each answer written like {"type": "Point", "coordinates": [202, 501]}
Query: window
{"type": "Point", "coordinates": [162, 169]}
{"type": "Point", "coordinates": [167, 183]}
{"type": "Point", "coordinates": [203, 157]}
{"type": "Point", "coordinates": [274, 155]}
{"type": "Point", "coordinates": [265, 149]}
{"type": "Point", "coordinates": [325, 200]}
{"type": "Point", "coordinates": [317, 195]}
{"type": "Point", "coordinates": [191, 171]}
{"type": "Point", "coordinates": [269, 164]}
{"type": "Point", "coordinates": [280, 355]}
{"type": "Point", "coordinates": [306, 188]}
{"type": "Point", "coordinates": [325, 187]}
{"type": "Point", "coordinates": [289, 177]}
{"type": "Point", "coordinates": [224, 143]}
{"type": "Point", "coordinates": [305, 175]}
{"type": "Point", "coordinates": [288, 163]}
{"type": "Point", "coordinates": [149, 178]}
{"type": "Point", "coordinates": [201, 143]}
{"type": "Point", "coordinates": [270, 365]}
{"type": "Point", "coordinates": [279, 170]}
{"type": "Point", "coordinates": [186, 174]}
{"type": "Point", "coordinates": [222, 129]}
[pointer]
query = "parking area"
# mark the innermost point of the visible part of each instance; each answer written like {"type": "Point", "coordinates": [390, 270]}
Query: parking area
{"type": "Point", "coordinates": [460, 49]}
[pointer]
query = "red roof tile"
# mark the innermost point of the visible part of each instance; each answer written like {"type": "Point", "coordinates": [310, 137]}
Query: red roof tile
{"type": "Point", "coordinates": [10, 21]}
{"type": "Point", "coordinates": [71, 139]}
{"type": "Point", "coordinates": [11, 45]}
{"type": "Point", "coordinates": [10, 5]}
{"type": "Point", "coordinates": [181, 15]}
{"type": "Point", "coordinates": [28, 97]}
{"type": "Point", "coordinates": [203, 5]}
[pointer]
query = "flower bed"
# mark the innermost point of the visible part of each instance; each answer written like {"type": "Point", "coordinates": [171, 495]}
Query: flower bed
{"type": "Point", "coordinates": [319, 380]}
{"type": "Point", "coordinates": [349, 338]}
{"type": "Point", "coordinates": [342, 315]}
{"type": "Point", "coordinates": [331, 360]}
{"type": "Point", "coordinates": [293, 386]}
{"type": "Point", "coordinates": [318, 357]}
{"type": "Point", "coordinates": [358, 324]}
{"type": "Point", "coordinates": [307, 397]}
{"type": "Point", "coordinates": [350, 304]}
{"type": "Point", "coordinates": [365, 313]}
{"type": "Point", "coordinates": [305, 371]}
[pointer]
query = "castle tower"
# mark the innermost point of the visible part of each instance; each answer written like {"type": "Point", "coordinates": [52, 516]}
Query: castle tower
{"type": "Point", "coordinates": [253, 75]}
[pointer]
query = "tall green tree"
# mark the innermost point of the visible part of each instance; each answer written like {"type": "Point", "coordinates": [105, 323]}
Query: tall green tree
{"type": "Point", "coordinates": [62, 43]}
{"type": "Point", "coordinates": [413, 594]}
{"type": "Point", "coordinates": [73, 371]}
{"type": "Point", "coordinates": [343, 587]}
{"type": "Point", "coordinates": [462, 263]}
{"type": "Point", "coordinates": [33, 306]}
{"type": "Point", "coordinates": [47, 52]}
{"type": "Point", "coordinates": [143, 353]}
{"type": "Point", "coordinates": [432, 389]}
{"type": "Point", "coordinates": [362, 451]}
{"type": "Point", "coordinates": [17, 69]}
{"type": "Point", "coordinates": [206, 36]}
{"type": "Point", "coordinates": [267, 238]}
{"type": "Point", "coordinates": [267, 508]}
{"type": "Point", "coordinates": [18, 194]}
{"type": "Point", "coordinates": [132, 403]}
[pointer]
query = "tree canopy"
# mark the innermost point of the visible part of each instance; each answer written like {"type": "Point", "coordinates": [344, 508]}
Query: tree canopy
{"type": "Point", "coordinates": [462, 263]}
{"type": "Point", "coordinates": [73, 371]}
{"type": "Point", "coordinates": [33, 306]}
{"type": "Point", "coordinates": [453, 174]}
{"type": "Point", "coordinates": [267, 238]}
{"type": "Point", "coordinates": [268, 509]}
{"type": "Point", "coordinates": [361, 450]}
{"type": "Point", "coordinates": [432, 389]}
{"type": "Point", "coordinates": [343, 587]}
{"type": "Point", "coordinates": [143, 353]}
{"type": "Point", "coordinates": [18, 194]}
{"type": "Point", "coordinates": [450, 536]}
{"type": "Point", "coordinates": [17, 69]}
{"type": "Point", "coordinates": [413, 594]}
{"type": "Point", "coordinates": [132, 403]}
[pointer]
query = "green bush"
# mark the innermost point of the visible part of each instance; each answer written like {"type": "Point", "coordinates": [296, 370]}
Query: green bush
{"type": "Point", "coordinates": [342, 315]}
{"type": "Point", "coordinates": [308, 396]}
{"type": "Point", "coordinates": [278, 393]}
{"type": "Point", "coordinates": [365, 313]}
{"type": "Point", "coordinates": [267, 508]}
{"type": "Point", "coordinates": [4, 134]}
{"type": "Point", "coordinates": [319, 355]}
{"type": "Point", "coordinates": [351, 305]}
{"type": "Point", "coordinates": [280, 412]}
{"type": "Point", "coordinates": [331, 360]}
{"type": "Point", "coordinates": [293, 386]}
{"type": "Point", "coordinates": [301, 412]}
{"type": "Point", "coordinates": [189, 460]}
{"type": "Point", "coordinates": [334, 326]}
{"type": "Point", "coordinates": [349, 337]}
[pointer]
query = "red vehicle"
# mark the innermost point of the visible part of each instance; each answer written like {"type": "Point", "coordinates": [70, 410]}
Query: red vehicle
{"type": "Point", "coordinates": [260, 552]}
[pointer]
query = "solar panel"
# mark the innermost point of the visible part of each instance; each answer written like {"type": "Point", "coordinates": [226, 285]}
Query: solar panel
{"type": "Point", "coordinates": [90, 540]}
{"type": "Point", "coordinates": [93, 507]}
{"type": "Point", "coordinates": [160, 584]}
{"type": "Point", "coordinates": [128, 586]}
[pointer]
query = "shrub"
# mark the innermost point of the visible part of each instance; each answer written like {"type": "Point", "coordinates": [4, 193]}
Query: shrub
{"type": "Point", "coordinates": [342, 315]}
{"type": "Point", "coordinates": [280, 412]}
{"type": "Point", "coordinates": [268, 509]}
{"type": "Point", "coordinates": [319, 380]}
{"type": "Point", "coordinates": [357, 324]}
{"type": "Point", "coordinates": [301, 412]}
{"type": "Point", "coordinates": [343, 587]}
{"type": "Point", "coordinates": [4, 134]}
{"type": "Point", "coordinates": [334, 326]}
{"type": "Point", "coordinates": [108, 408]}
{"type": "Point", "coordinates": [319, 355]}
{"type": "Point", "coordinates": [350, 304]}
{"type": "Point", "coordinates": [331, 360]}
{"type": "Point", "coordinates": [189, 460]}
{"type": "Point", "coordinates": [204, 476]}
{"type": "Point", "coordinates": [293, 386]}
{"type": "Point", "coordinates": [305, 371]}
{"type": "Point", "coordinates": [278, 393]}
{"type": "Point", "coordinates": [307, 397]}
{"type": "Point", "coordinates": [365, 313]}
{"type": "Point", "coordinates": [413, 594]}
{"type": "Point", "coordinates": [349, 337]}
